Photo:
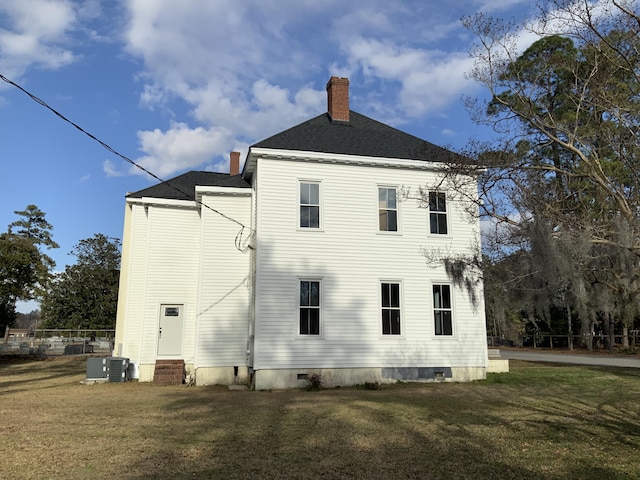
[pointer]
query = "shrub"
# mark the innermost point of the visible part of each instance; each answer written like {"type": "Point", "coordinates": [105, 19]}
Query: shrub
{"type": "Point", "coordinates": [314, 381]}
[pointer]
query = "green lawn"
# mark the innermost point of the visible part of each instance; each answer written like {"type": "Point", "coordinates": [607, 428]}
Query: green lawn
{"type": "Point", "coordinates": [539, 421]}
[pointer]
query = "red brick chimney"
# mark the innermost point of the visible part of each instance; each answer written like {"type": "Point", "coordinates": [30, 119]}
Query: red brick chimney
{"type": "Point", "coordinates": [234, 164]}
{"type": "Point", "coordinates": [338, 99]}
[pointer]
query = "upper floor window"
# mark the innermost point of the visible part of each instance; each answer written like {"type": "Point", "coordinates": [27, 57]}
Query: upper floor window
{"type": "Point", "coordinates": [309, 205]}
{"type": "Point", "coordinates": [390, 308]}
{"type": "Point", "coordinates": [438, 213]}
{"type": "Point", "coordinates": [442, 312]}
{"type": "Point", "coordinates": [388, 209]}
{"type": "Point", "coordinates": [309, 307]}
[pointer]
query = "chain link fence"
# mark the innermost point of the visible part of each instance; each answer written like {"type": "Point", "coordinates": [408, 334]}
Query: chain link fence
{"type": "Point", "coordinates": [588, 342]}
{"type": "Point", "coordinates": [57, 342]}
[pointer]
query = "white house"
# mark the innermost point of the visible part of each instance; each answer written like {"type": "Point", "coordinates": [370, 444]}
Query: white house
{"type": "Point", "coordinates": [309, 261]}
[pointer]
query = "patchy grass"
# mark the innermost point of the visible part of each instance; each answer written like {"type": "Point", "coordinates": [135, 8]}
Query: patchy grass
{"type": "Point", "coordinates": [537, 422]}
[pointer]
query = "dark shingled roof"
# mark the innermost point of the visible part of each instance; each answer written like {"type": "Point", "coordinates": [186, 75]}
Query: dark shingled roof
{"type": "Point", "coordinates": [361, 136]}
{"type": "Point", "coordinates": [183, 187]}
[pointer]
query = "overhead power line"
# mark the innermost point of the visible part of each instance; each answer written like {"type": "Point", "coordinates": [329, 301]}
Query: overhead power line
{"type": "Point", "coordinates": [115, 152]}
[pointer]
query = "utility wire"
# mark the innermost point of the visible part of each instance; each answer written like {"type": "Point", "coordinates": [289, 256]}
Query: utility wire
{"type": "Point", "coordinates": [124, 157]}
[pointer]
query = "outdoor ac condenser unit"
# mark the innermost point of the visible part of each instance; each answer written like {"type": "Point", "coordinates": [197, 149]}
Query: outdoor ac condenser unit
{"type": "Point", "coordinates": [118, 369]}
{"type": "Point", "coordinates": [97, 368]}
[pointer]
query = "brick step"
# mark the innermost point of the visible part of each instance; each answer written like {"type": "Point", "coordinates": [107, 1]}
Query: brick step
{"type": "Point", "coordinates": [168, 372]}
{"type": "Point", "coordinates": [169, 362]}
{"type": "Point", "coordinates": [169, 368]}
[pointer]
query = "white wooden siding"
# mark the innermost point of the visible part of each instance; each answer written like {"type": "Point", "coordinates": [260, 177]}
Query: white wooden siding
{"type": "Point", "coordinates": [352, 257]}
{"type": "Point", "coordinates": [187, 256]}
{"type": "Point", "coordinates": [225, 280]}
{"type": "Point", "coordinates": [171, 275]}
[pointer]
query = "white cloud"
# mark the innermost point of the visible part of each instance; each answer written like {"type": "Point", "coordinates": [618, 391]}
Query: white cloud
{"type": "Point", "coordinates": [180, 148]}
{"type": "Point", "coordinates": [429, 80]}
{"type": "Point", "coordinates": [110, 169]}
{"type": "Point", "coordinates": [35, 34]}
{"type": "Point", "coordinates": [246, 70]}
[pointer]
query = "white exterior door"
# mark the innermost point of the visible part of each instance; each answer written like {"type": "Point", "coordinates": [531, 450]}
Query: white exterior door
{"type": "Point", "coordinates": [170, 330]}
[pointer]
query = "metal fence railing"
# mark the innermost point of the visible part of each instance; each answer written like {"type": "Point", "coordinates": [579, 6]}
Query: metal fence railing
{"type": "Point", "coordinates": [548, 341]}
{"type": "Point", "coordinates": [59, 342]}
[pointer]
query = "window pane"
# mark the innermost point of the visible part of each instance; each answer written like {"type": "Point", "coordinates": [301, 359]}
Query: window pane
{"type": "Point", "coordinates": [432, 201]}
{"type": "Point", "coordinates": [395, 295]}
{"type": "Point", "coordinates": [304, 321]}
{"type": "Point", "coordinates": [304, 193]}
{"type": "Point", "coordinates": [392, 221]}
{"type": "Point", "coordinates": [314, 321]}
{"type": "Point", "coordinates": [304, 216]}
{"type": "Point", "coordinates": [395, 321]}
{"type": "Point", "coordinates": [442, 224]}
{"type": "Point", "coordinates": [314, 194]}
{"type": "Point", "coordinates": [386, 295]}
{"type": "Point", "coordinates": [446, 323]}
{"type": "Point", "coordinates": [382, 197]}
{"type": "Point", "coordinates": [437, 297]}
{"type": "Point", "coordinates": [442, 206]}
{"type": "Point", "coordinates": [314, 296]}
{"type": "Point", "coordinates": [314, 217]}
{"type": "Point", "coordinates": [433, 221]}
{"type": "Point", "coordinates": [446, 296]}
{"type": "Point", "coordinates": [438, 321]}
{"type": "Point", "coordinates": [383, 220]}
{"type": "Point", "coordinates": [304, 293]}
{"type": "Point", "coordinates": [391, 198]}
{"type": "Point", "coordinates": [386, 322]}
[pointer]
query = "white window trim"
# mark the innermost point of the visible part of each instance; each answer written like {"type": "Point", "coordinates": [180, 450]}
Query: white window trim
{"type": "Point", "coordinates": [402, 309]}
{"type": "Point", "coordinates": [432, 309]}
{"type": "Point", "coordinates": [447, 213]}
{"type": "Point", "coordinates": [320, 205]}
{"type": "Point", "coordinates": [308, 336]}
{"type": "Point", "coordinates": [398, 230]}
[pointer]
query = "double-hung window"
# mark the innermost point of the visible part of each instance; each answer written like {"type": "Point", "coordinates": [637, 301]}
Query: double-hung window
{"type": "Point", "coordinates": [442, 312]}
{"type": "Point", "coordinates": [309, 205]}
{"type": "Point", "coordinates": [438, 213]}
{"type": "Point", "coordinates": [390, 296]}
{"type": "Point", "coordinates": [309, 307]}
{"type": "Point", "coordinates": [388, 209]}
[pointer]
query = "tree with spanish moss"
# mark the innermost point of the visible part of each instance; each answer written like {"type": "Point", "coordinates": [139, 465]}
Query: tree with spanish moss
{"type": "Point", "coordinates": [560, 184]}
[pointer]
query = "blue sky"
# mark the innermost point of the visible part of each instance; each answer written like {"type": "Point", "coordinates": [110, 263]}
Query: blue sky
{"type": "Point", "coordinates": [177, 85]}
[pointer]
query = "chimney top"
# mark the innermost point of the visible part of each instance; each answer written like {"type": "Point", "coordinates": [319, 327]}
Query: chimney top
{"type": "Point", "coordinates": [338, 99]}
{"type": "Point", "coordinates": [234, 164]}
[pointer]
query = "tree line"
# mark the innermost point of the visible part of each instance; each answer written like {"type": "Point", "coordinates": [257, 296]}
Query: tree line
{"type": "Point", "coordinates": [84, 295]}
{"type": "Point", "coordinates": [560, 183]}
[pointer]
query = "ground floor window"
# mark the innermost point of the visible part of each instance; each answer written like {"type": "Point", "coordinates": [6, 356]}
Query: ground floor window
{"type": "Point", "coordinates": [442, 312]}
{"type": "Point", "coordinates": [390, 296]}
{"type": "Point", "coordinates": [309, 307]}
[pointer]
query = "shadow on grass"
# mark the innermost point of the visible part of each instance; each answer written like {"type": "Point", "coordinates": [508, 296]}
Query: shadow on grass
{"type": "Point", "coordinates": [31, 372]}
{"type": "Point", "coordinates": [348, 434]}
{"type": "Point", "coordinates": [544, 429]}
{"type": "Point", "coordinates": [550, 428]}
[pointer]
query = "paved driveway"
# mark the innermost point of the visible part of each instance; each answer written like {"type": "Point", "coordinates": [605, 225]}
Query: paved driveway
{"type": "Point", "coordinates": [602, 360]}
